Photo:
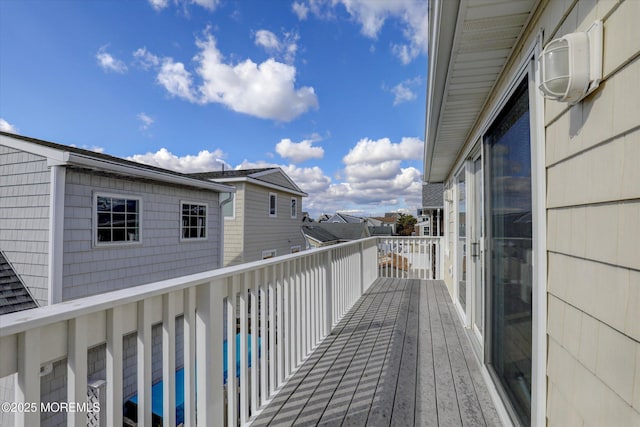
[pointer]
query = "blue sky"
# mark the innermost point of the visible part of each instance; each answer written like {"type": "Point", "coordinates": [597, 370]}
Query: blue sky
{"type": "Point", "coordinates": [332, 91]}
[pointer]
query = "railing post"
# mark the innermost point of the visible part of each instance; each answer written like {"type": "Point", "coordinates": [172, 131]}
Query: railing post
{"type": "Point", "coordinates": [77, 369]}
{"type": "Point", "coordinates": [328, 293]}
{"type": "Point", "coordinates": [361, 256]}
{"type": "Point", "coordinates": [27, 384]}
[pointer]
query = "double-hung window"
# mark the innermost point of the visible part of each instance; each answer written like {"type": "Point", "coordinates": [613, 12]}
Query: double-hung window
{"type": "Point", "coordinates": [117, 219]}
{"type": "Point", "coordinates": [273, 204]}
{"type": "Point", "coordinates": [294, 207]}
{"type": "Point", "coordinates": [194, 221]}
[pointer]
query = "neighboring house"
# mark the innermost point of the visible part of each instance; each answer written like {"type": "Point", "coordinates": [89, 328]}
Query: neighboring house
{"type": "Point", "coordinates": [542, 211]}
{"type": "Point", "coordinates": [265, 216]}
{"type": "Point", "coordinates": [342, 218]}
{"type": "Point", "coordinates": [75, 223]}
{"type": "Point", "coordinates": [384, 221]}
{"type": "Point", "coordinates": [380, 231]}
{"type": "Point", "coordinates": [324, 218]}
{"type": "Point", "coordinates": [331, 233]}
{"type": "Point", "coordinates": [431, 215]}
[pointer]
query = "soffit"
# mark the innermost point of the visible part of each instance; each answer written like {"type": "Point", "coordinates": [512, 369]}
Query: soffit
{"type": "Point", "coordinates": [471, 45]}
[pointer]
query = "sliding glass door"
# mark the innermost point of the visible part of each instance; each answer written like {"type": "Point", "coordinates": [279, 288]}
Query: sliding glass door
{"type": "Point", "coordinates": [509, 222]}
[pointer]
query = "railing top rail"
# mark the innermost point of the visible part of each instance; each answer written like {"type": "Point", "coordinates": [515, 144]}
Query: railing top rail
{"type": "Point", "coordinates": [21, 321]}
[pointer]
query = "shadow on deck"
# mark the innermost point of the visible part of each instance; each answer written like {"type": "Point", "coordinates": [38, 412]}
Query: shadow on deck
{"type": "Point", "coordinates": [399, 357]}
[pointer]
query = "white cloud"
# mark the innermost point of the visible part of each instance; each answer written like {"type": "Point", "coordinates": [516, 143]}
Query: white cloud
{"type": "Point", "coordinates": [265, 90]}
{"type": "Point", "coordinates": [403, 91]}
{"type": "Point", "coordinates": [163, 4]}
{"type": "Point", "coordinates": [145, 59]}
{"type": "Point", "coordinates": [300, 10]}
{"type": "Point", "coordinates": [176, 79]}
{"type": "Point", "coordinates": [372, 15]}
{"type": "Point", "coordinates": [267, 39]}
{"type": "Point", "coordinates": [5, 126]}
{"type": "Point", "coordinates": [94, 148]}
{"type": "Point", "coordinates": [298, 152]}
{"type": "Point", "coordinates": [284, 49]}
{"type": "Point", "coordinates": [381, 150]}
{"type": "Point", "coordinates": [108, 63]}
{"type": "Point", "coordinates": [159, 4]}
{"type": "Point", "coordinates": [204, 161]}
{"type": "Point", "coordinates": [146, 121]}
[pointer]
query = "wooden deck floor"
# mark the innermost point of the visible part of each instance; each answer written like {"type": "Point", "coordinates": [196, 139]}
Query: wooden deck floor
{"type": "Point", "coordinates": [399, 357]}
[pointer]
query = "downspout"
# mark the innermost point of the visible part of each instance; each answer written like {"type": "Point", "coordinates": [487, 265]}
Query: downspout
{"type": "Point", "coordinates": [221, 250]}
{"type": "Point", "coordinates": [56, 231]}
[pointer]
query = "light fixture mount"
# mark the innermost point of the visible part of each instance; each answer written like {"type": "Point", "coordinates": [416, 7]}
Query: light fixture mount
{"type": "Point", "coordinates": [570, 67]}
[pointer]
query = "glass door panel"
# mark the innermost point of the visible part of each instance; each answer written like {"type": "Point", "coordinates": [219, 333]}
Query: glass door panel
{"type": "Point", "coordinates": [462, 241]}
{"type": "Point", "coordinates": [477, 252]}
{"type": "Point", "coordinates": [510, 244]}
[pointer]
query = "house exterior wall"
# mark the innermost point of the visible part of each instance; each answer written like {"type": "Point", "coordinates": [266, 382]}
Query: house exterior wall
{"type": "Point", "coordinates": [88, 270]}
{"type": "Point", "coordinates": [234, 229]}
{"type": "Point", "coordinates": [592, 152]}
{"type": "Point", "coordinates": [593, 235]}
{"type": "Point", "coordinates": [24, 217]}
{"type": "Point", "coordinates": [263, 232]}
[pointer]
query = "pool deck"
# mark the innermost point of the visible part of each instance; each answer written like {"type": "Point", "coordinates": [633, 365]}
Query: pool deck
{"type": "Point", "coordinates": [399, 357]}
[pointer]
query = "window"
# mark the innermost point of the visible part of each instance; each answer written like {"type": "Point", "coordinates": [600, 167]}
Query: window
{"type": "Point", "coordinates": [273, 204]}
{"type": "Point", "coordinates": [194, 221]}
{"type": "Point", "coordinates": [228, 210]}
{"type": "Point", "coordinates": [294, 207]}
{"type": "Point", "coordinates": [117, 219]}
{"type": "Point", "coordinates": [269, 254]}
{"type": "Point", "coordinates": [295, 249]}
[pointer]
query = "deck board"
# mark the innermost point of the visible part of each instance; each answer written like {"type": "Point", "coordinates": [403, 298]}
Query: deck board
{"type": "Point", "coordinates": [398, 357]}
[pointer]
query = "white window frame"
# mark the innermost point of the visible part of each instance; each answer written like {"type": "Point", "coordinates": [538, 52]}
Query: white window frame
{"type": "Point", "coordinates": [270, 253]}
{"type": "Point", "coordinates": [94, 215]}
{"type": "Point", "coordinates": [206, 224]}
{"type": "Point", "coordinates": [233, 207]}
{"type": "Point", "coordinates": [294, 212]}
{"type": "Point", "coordinates": [275, 207]}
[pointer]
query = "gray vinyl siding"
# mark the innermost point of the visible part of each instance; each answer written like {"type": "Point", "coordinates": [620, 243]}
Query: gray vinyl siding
{"type": "Point", "coordinates": [24, 217]}
{"type": "Point", "coordinates": [263, 232]}
{"type": "Point", "coordinates": [234, 230]}
{"type": "Point", "coordinates": [88, 270]}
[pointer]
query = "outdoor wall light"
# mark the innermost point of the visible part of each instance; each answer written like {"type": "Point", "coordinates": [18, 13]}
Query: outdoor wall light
{"type": "Point", "coordinates": [571, 66]}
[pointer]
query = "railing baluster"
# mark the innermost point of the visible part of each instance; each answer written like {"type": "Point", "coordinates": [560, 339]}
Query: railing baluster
{"type": "Point", "coordinates": [168, 360]}
{"type": "Point", "coordinates": [262, 277]}
{"type": "Point", "coordinates": [287, 343]}
{"type": "Point", "coordinates": [232, 383]}
{"type": "Point", "coordinates": [240, 286]}
{"type": "Point", "coordinates": [209, 356]}
{"type": "Point", "coordinates": [272, 330]}
{"type": "Point", "coordinates": [255, 347]}
{"type": "Point", "coordinates": [77, 369]}
{"type": "Point", "coordinates": [280, 325]}
{"type": "Point", "coordinates": [114, 367]}
{"type": "Point", "coordinates": [189, 322]}
{"type": "Point", "coordinates": [144, 362]}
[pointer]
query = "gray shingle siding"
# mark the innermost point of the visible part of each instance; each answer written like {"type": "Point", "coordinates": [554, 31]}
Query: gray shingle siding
{"type": "Point", "coordinates": [89, 270]}
{"type": "Point", "coordinates": [432, 195]}
{"type": "Point", "coordinates": [24, 217]}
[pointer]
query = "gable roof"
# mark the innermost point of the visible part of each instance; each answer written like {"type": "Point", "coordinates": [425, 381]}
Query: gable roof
{"type": "Point", "coordinates": [14, 296]}
{"type": "Point", "coordinates": [59, 154]}
{"type": "Point", "coordinates": [261, 177]}
{"type": "Point", "coordinates": [345, 218]}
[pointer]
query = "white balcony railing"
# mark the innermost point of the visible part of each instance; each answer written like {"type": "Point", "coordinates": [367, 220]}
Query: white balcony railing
{"type": "Point", "coordinates": [283, 307]}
